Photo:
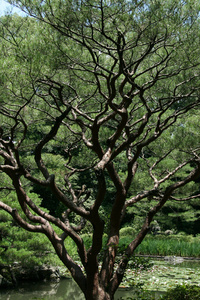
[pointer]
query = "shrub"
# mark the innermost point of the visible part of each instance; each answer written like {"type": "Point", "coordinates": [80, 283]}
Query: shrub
{"type": "Point", "coordinates": [140, 295]}
{"type": "Point", "coordinates": [183, 292]}
{"type": "Point", "coordinates": [127, 231]}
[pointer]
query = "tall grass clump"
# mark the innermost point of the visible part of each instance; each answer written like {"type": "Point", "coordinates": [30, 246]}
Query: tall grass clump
{"type": "Point", "coordinates": [158, 245]}
{"type": "Point", "coordinates": [176, 245]}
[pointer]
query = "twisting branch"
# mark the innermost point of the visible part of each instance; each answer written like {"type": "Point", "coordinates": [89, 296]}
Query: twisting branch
{"type": "Point", "coordinates": [14, 213]}
{"type": "Point", "coordinates": [45, 140]}
{"type": "Point", "coordinates": [134, 244]}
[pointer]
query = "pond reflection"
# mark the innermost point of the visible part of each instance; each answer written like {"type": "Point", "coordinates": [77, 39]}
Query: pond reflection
{"type": "Point", "coordinates": [64, 290]}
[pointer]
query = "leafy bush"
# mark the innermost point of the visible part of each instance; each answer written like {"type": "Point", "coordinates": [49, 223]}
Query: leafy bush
{"type": "Point", "coordinates": [140, 295]}
{"type": "Point", "coordinates": [24, 248]}
{"type": "Point", "coordinates": [183, 292]}
{"type": "Point", "coordinates": [127, 231]}
{"type": "Point", "coordinates": [180, 292]}
{"type": "Point", "coordinates": [140, 263]}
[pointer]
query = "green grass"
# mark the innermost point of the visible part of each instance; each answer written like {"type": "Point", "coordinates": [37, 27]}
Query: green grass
{"type": "Point", "coordinates": [165, 246]}
{"type": "Point", "coordinates": [159, 245]}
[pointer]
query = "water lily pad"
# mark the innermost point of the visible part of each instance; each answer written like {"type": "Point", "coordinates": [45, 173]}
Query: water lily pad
{"type": "Point", "coordinates": [163, 276]}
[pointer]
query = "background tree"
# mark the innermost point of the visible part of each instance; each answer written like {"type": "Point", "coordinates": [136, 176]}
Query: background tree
{"type": "Point", "coordinates": [100, 89]}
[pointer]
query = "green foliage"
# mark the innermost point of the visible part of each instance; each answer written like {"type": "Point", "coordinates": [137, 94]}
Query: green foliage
{"type": "Point", "coordinates": [127, 231]}
{"type": "Point", "coordinates": [139, 294]}
{"type": "Point", "coordinates": [22, 247]}
{"type": "Point", "coordinates": [175, 245]}
{"type": "Point", "coordinates": [26, 249]}
{"type": "Point", "coordinates": [181, 292]}
{"type": "Point", "coordinates": [139, 264]}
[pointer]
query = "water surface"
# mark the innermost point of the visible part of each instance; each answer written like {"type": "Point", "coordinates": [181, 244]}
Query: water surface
{"type": "Point", "coordinates": [64, 290]}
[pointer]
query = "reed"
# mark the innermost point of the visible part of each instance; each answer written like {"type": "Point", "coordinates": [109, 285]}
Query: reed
{"type": "Point", "coordinates": [174, 245]}
{"type": "Point", "coordinates": [170, 246]}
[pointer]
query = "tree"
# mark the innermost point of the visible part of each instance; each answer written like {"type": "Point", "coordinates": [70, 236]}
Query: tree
{"type": "Point", "coordinates": [109, 86]}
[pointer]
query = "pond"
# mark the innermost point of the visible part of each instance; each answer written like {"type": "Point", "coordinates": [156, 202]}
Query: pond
{"type": "Point", "coordinates": [167, 274]}
{"type": "Point", "coordinates": [163, 275]}
{"type": "Point", "coordinates": [63, 290]}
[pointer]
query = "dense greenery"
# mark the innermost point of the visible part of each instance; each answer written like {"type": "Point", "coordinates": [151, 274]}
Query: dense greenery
{"type": "Point", "coordinates": [181, 292]}
{"type": "Point", "coordinates": [186, 292]}
{"type": "Point", "coordinates": [99, 130]}
{"type": "Point", "coordinates": [24, 248]}
{"type": "Point", "coordinates": [177, 245]}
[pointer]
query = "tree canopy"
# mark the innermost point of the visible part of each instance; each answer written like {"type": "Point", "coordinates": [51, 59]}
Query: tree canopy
{"type": "Point", "coordinates": [99, 108]}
